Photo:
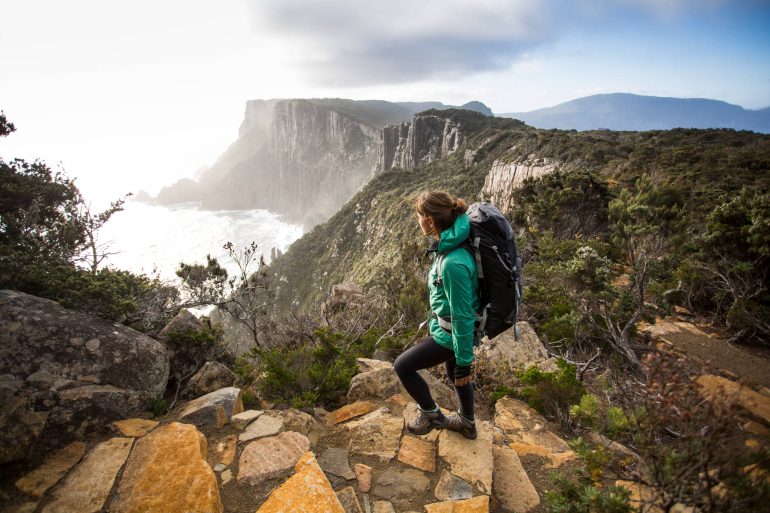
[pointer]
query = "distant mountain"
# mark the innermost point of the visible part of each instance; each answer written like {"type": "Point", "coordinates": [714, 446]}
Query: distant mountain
{"type": "Point", "coordinates": [623, 111]}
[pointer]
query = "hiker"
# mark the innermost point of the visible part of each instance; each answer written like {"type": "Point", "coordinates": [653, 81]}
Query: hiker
{"type": "Point", "coordinates": [453, 294]}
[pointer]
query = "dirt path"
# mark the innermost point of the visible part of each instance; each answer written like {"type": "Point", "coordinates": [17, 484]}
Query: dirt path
{"type": "Point", "coordinates": [747, 363]}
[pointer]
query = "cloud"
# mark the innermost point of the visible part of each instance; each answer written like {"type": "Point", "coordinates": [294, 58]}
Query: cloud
{"type": "Point", "coordinates": [342, 42]}
{"type": "Point", "coordinates": [354, 43]}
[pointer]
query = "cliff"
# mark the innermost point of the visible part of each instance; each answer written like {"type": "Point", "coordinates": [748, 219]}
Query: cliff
{"type": "Point", "coordinates": [305, 158]}
{"type": "Point", "coordinates": [427, 138]}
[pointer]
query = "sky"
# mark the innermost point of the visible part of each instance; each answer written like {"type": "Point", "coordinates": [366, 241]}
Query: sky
{"type": "Point", "coordinates": [135, 95]}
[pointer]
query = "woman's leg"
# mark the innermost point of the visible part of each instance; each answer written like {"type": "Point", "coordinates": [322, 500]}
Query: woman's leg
{"type": "Point", "coordinates": [423, 355]}
{"type": "Point", "coordinates": [464, 393]}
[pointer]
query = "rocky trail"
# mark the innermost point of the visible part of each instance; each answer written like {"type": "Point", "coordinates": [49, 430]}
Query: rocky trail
{"type": "Point", "coordinates": [211, 456]}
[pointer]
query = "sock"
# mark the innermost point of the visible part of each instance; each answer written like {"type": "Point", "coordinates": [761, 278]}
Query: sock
{"type": "Point", "coordinates": [435, 409]}
{"type": "Point", "coordinates": [470, 418]}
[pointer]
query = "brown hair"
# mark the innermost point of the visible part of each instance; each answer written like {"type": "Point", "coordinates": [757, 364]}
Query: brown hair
{"type": "Point", "coordinates": [440, 206]}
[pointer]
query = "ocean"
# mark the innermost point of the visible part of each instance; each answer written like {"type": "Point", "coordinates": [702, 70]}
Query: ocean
{"type": "Point", "coordinates": [146, 238]}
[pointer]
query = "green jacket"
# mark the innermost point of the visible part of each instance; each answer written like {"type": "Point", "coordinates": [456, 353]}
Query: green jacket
{"type": "Point", "coordinates": [458, 296]}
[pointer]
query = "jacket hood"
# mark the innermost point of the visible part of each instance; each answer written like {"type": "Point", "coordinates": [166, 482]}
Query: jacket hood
{"type": "Point", "coordinates": [456, 235]}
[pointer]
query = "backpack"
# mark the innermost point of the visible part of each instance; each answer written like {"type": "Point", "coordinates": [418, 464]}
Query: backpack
{"type": "Point", "coordinates": [493, 245]}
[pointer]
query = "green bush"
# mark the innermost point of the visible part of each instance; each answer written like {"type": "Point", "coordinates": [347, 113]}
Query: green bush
{"type": "Point", "coordinates": [551, 393]}
{"type": "Point", "coordinates": [583, 496]}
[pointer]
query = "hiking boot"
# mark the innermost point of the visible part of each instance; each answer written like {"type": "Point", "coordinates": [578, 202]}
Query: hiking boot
{"type": "Point", "coordinates": [465, 427]}
{"type": "Point", "coordinates": [426, 421]}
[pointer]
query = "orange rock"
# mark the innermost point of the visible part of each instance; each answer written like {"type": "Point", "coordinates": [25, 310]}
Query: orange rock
{"type": "Point", "coordinates": [41, 479]}
{"type": "Point", "coordinates": [225, 450]}
{"type": "Point", "coordinates": [135, 427]}
{"type": "Point", "coordinates": [349, 411]}
{"type": "Point", "coordinates": [167, 461]}
{"type": "Point", "coordinates": [478, 504]}
{"type": "Point", "coordinates": [307, 490]}
{"type": "Point", "coordinates": [556, 459]}
{"type": "Point", "coordinates": [418, 453]}
{"type": "Point", "coordinates": [364, 476]}
{"type": "Point", "coordinates": [640, 495]}
{"type": "Point", "coordinates": [716, 387]}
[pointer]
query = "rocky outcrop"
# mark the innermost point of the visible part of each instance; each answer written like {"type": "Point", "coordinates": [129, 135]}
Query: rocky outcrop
{"type": "Point", "coordinates": [426, 139]}
{"type": "Point", "coordinates": [209, 378]}
{"type": "Point", "coordinates": [505, 352]}
{"type": "Point", "coordinates": [214, 409]}
{"type": "Point", "coordinates": [505, 177]}
{"type": "Point", "coordinates": [65, 374]}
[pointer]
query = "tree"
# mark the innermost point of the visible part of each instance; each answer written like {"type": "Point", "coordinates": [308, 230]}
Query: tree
{"type": "Point", "coordinates": [735, 256]}
{"type": "Point", "coordinates": [96, 252]}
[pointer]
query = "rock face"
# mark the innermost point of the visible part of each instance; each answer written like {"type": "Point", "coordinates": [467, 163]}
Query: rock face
{"type": "Point", "coordinates": [49, 473]}
{"type": "Point", "coordinates": [67, 373]}
{"type": "Point", "coordinates": [425, 139]}
{"type": "Point", "coordinates": [170, 459]}
{"type": "Point", "coordinates": [504, 178]}
{"type": "Point", "coordinates": [306, 160]}
{"type": "Point", "coordinates": [236, 337]}
{"type": "Point", "coordinates": [210, 378]}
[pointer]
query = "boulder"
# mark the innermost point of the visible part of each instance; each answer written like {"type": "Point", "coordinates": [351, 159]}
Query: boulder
{"type": "Point", "coordinates": [182, 322]}
{"type": "Point", "coordinates": [528, 350]}
{"type": "Point", "coordinates": [301, 422]}
{"type": "Point", "coordinates": [169, 459]}
{"type": "Point", "coordinates": [66, 374]}
{"type": "Point", "coordinates": [209, 378]}
{"type": "Point", "coordinates": [370, 364]}
{"type": "Point", "coordinates": [87, 486]}
{"type": "Point", "coordinates": [471, 460]}
{"type": "Point", "coordinates": [400, 486]}
{"type": "Point", "coordinates": [307, 490]}
{"type": "Point", "coordinates": [214, 409]}
{"type": "Point", "coordinates": [270, 457]}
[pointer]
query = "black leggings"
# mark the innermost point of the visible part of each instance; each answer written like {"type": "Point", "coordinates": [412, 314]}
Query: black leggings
{"type": "Point", "coordinates": [427, 353]}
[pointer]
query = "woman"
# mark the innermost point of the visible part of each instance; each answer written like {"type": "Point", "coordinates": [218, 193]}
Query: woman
{"type": "Point", "coordinates": [453, 298]}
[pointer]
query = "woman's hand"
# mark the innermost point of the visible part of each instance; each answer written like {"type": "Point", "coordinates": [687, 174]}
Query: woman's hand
{"type": "Point", "coordinates": [462, 375]}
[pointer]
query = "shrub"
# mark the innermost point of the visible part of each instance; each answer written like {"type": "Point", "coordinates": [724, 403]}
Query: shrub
{"type": "Point", "coordinates": [551, 393]}
{"type": "Point", "coordinates": [583, 496]}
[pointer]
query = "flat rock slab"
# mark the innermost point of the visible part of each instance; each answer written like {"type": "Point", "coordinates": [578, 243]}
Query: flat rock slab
{"type": "Point", "coordinates": [307, 490]}
{"type": "Point", "coordinates": [87, 486]}
{"type": "Point", "coordinates": [224, 450]}
{"type": "Point", "coordinates": [382, 507]}
{"type": "Point", "coordinates": [376, 434]}
{"type": "Point", "coordinates": [349, 411]}
{"type": "Point", "coordinates": [400, 486]}
{"type": "Point", "coordinates": [512, 486]}
{"type": "Point", "coordinates": [349, 500]}
{"type": "Point", "coordinates": [264, 426]}
{"type": "Point", "coordinates": [335, 461]}
{"type": "Point", "coordinates": [364, 477]}
{"type": "Point", "coordinates": [471, 460]}
{"type": "Point", "coordinates": [270, 457]}
{"type": "Point", "coordinates": [478, 504]}
{"type": "Point", "coordinates": [555, 459]}
{"type": "Point", "coordinates": [716, 387]}
{"type": "Point", "coordinates": [41, 479]}
{"type": "Point", "coordinates": [167, 471]}
{"type": "Point", "coordinates": [452, 488]}
{"type": "Point", "coordinates": [418, 453]}
{"type": "Point", "coordinates": [214, 409]}
{"type": "Point", "coordinates": [243, 419]}
{"type": "Point", "coordinates": [135, 427]}
{"type": "Point", "coordinates": [522, 424]}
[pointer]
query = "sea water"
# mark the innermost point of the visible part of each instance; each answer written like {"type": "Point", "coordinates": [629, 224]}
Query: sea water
{"type": "Point", "coordinates": [145, 238]}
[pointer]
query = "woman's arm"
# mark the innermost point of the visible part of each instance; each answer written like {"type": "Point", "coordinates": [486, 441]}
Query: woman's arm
{"type": "Point", "coordinates": [461, 294]}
